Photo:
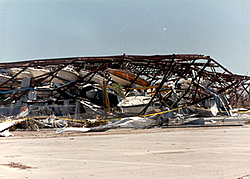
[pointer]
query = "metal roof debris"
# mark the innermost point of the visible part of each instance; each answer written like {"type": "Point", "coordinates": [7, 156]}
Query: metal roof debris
{"type": "Point", "coordinates": [95, 90]}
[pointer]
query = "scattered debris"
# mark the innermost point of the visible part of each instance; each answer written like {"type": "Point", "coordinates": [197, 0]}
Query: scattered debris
{"type": "Point", "coordinates": [199, 121]}
{"type": "Point", "coordinates": [244, 177]}
{"type": "Point", "coordinates": [99, 93]}
{"type": "Point", "coordinates": [247, 122]}
{"type": "Point", "coordinates": [18, 165]}
{"type": "Point", "coordinates": [129, 122]}
{"type": "Point", "coordinates": [6, 133]}
{"type": "Point", "coordinates": [8, 124]}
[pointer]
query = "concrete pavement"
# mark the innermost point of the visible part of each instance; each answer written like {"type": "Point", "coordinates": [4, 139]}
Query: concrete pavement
{"type": "Point", "coordinates": [178, 153]}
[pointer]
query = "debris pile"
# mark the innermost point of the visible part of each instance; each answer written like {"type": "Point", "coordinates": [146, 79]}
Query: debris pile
{"type": "Point", "coordinates": [100, 93]}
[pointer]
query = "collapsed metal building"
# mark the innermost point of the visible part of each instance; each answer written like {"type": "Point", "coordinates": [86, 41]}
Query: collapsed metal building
{"type": "Point", "coordinates": [171, 81]}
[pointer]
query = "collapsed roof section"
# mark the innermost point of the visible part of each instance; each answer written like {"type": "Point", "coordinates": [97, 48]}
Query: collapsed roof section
{"type": "Point", "coordinates": [175, 80]}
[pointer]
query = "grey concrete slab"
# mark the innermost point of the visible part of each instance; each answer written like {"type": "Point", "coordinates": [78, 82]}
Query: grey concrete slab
{"type": "Point", "coordinates": [160, 153]}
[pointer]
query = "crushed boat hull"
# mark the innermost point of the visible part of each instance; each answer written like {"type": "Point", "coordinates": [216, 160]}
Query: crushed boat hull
{"type": "Point", "coordinates": [125, 78]}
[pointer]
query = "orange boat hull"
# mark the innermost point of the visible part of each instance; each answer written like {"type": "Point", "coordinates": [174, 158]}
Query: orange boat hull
{"type": "Point", "coordinates": [125, 78]}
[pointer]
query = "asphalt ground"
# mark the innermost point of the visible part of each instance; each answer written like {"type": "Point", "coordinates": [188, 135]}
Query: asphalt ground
{"type": "Point", "coordinates": [192, 153]}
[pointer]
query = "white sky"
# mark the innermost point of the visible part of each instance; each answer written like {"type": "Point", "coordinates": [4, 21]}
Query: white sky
{"type": "Point", "coordinates": [61, 28]}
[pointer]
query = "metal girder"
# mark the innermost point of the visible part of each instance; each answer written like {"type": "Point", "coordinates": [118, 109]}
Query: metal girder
{"type": "Point", "coordinates": [209, 73]}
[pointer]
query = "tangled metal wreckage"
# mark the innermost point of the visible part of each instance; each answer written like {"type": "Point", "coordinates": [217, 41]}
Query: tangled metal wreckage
{"type": "Point", "coordinates": [98, 93]}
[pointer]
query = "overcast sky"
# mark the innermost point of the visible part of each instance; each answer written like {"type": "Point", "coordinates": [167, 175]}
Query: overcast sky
{"type": "Point", "coordinates": [33, 29]}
